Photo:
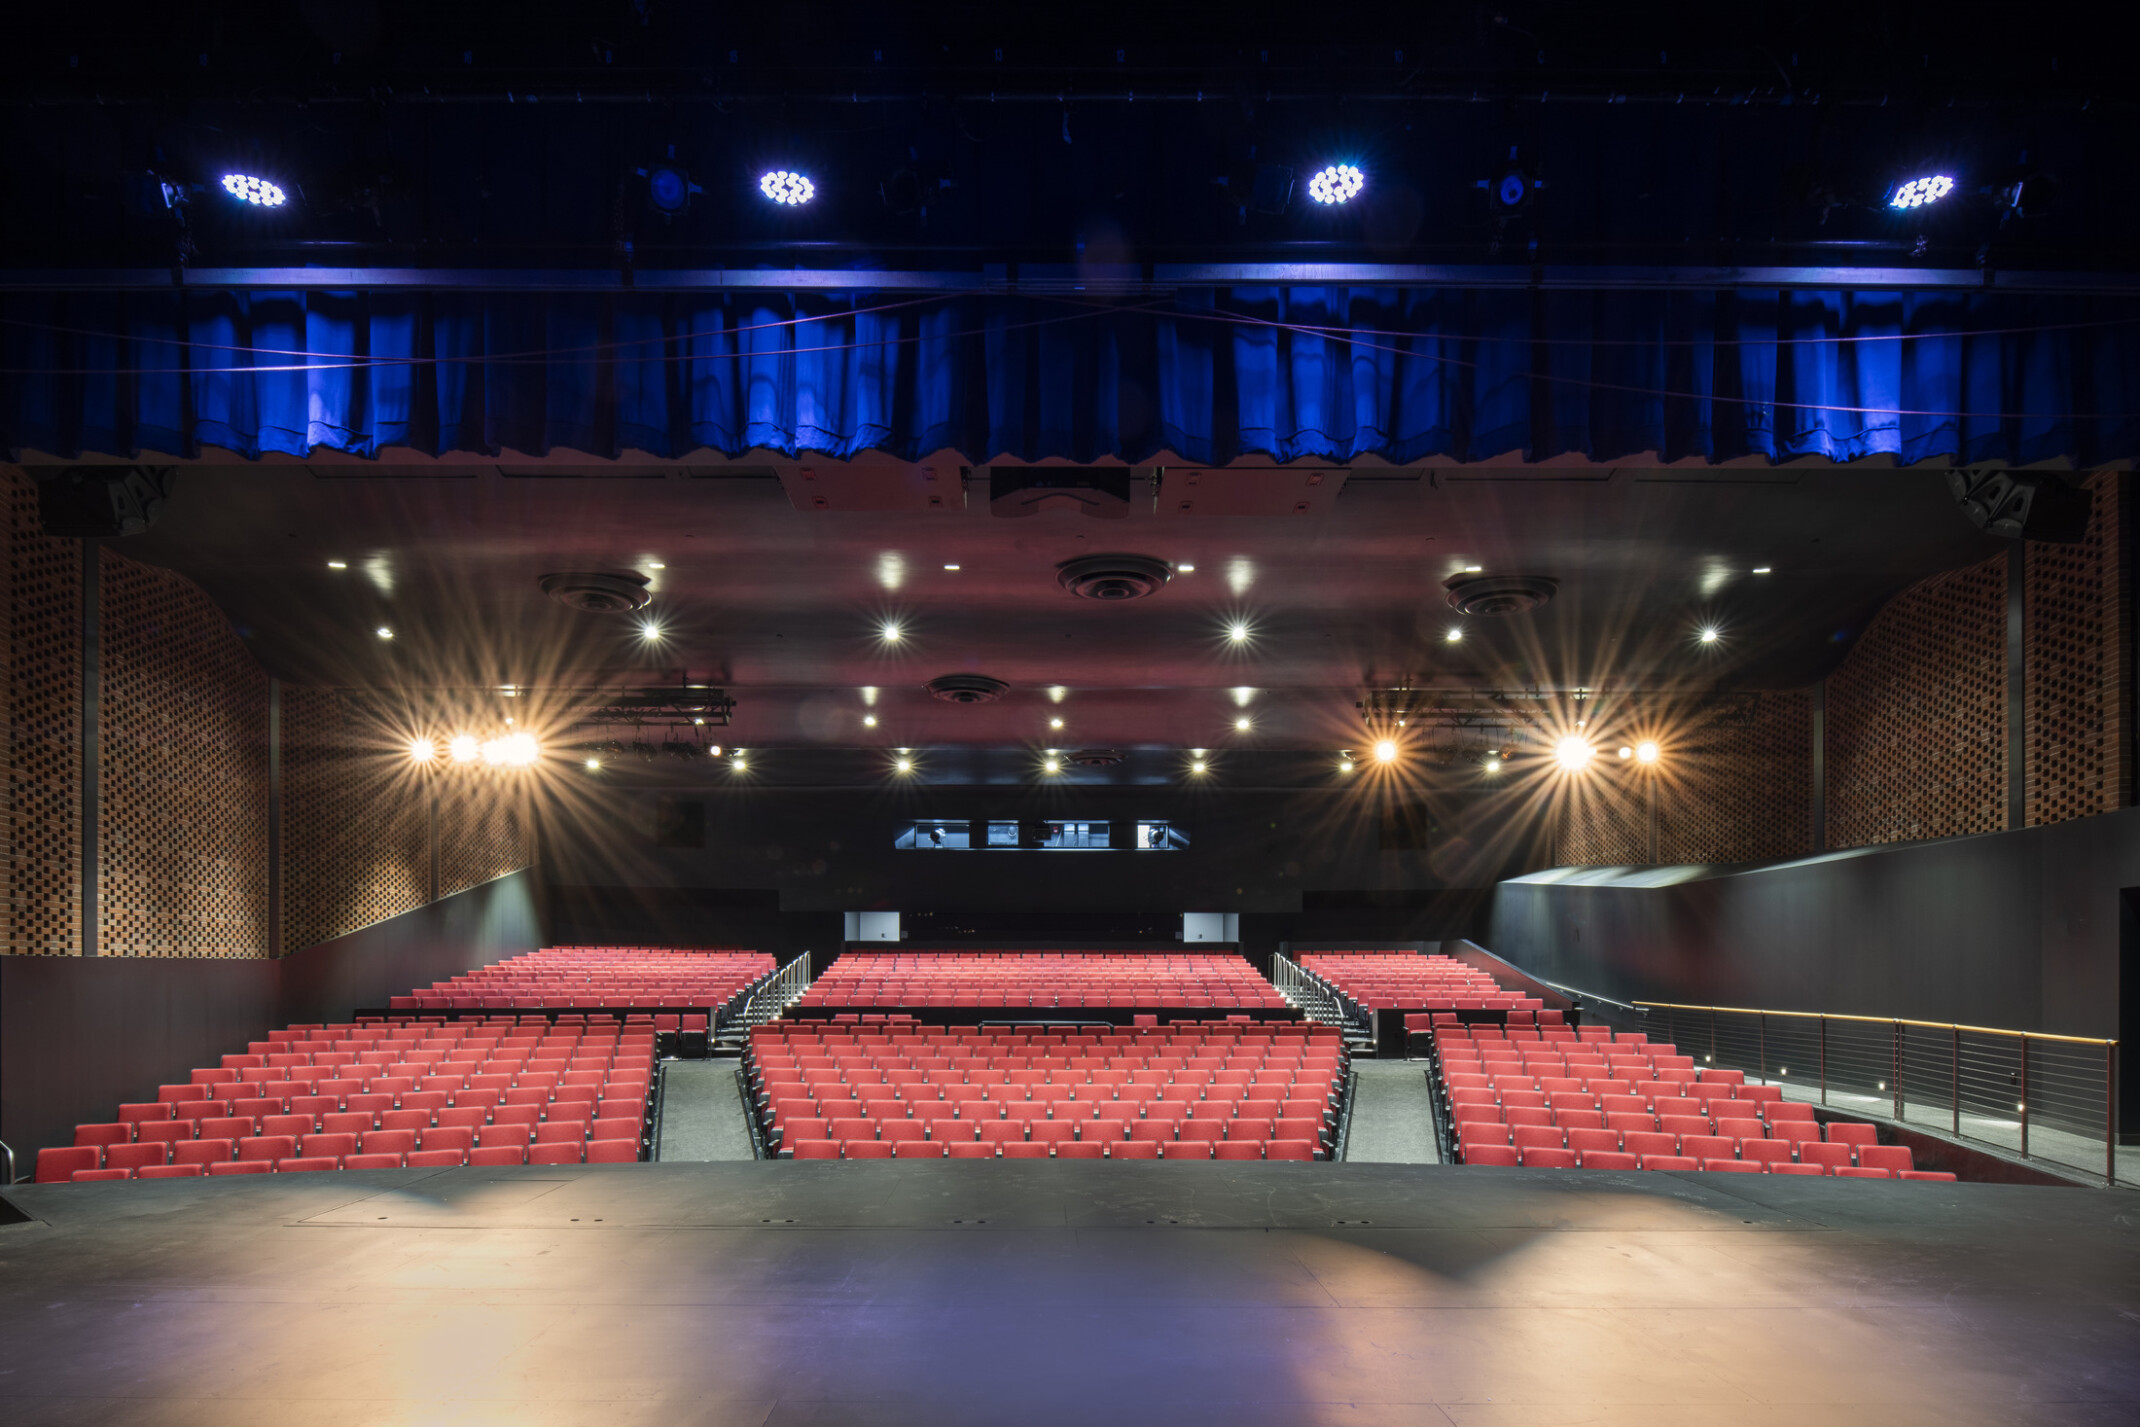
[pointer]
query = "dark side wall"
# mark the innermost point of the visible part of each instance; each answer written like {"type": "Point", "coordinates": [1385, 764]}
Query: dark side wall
{"type": "Point", "coordinates": [81, 1035]}
{"type": "Point", "coordinates": [778, 866]}
{"type": "Point", "coordinates": [2010, 929]}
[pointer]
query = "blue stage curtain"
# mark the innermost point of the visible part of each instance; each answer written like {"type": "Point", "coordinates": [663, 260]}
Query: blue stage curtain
{"type": "Point", "coordinates": [1303, 373]}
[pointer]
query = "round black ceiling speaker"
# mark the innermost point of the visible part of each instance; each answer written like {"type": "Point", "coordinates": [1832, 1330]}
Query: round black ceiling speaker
{"type": "Point", "coordinates": [1096, 757]}
{"type": "Point", "coordinates": [966, 688]}
{"type": "Point", "coordinates": [1500, 594]}
{"type": "Point", "coordinates": [592, 592]}
{"type": "Point", "coordinates": [1113, 577]}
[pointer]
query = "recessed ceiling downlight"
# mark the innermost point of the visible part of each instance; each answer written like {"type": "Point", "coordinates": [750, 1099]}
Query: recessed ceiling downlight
{"type": "Point", "coordinates": [1500, 594]}
{"type": "Point", "coordinates": [1113, 577]}
{"type": "Point", "coordinates": [594, 592]}
{"type": "Point", "coordinates": [966, 688]}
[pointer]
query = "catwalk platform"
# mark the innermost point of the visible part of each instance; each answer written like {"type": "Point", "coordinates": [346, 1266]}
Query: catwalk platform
{"type": "Point", "coordinates": [1017, 1292]}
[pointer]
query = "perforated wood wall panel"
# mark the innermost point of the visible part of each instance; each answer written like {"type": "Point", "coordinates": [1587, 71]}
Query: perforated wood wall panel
{"type": "Point", "coordinates": [482, 829]}
{"type": "Point", "coordinates": [182, 865]}
{"type": "Point", "coordinates": [44, 721]}
{"type": "Point", "coordinates": [1739, 787]}
{"type": "Point", "coordinates": [1917, 715]}
{"type": "Point", "coordinates": [355, 825]}
{"type": "Point", "coordinates": [1604, 821]}
{"type": "Point", "coordinates": [2078, 673]}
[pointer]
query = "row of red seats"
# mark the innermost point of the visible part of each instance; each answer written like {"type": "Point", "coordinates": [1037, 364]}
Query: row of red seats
{"type": "Point", "coordinates": [1042, 979]}
{"type": "Point", "coordinates": [597, 976]}
{"type": "Point", "coordinates": [948, 1088]}
{"type": "Point", "coordinates": [596, 1152]}
{"type": "Point", "coordinates": [1146, 1149]}
{"type": "Point", "coordinates": [349, 1093]}
{"type": "Point", "coordinates": [1392, 980]}
{"type": "Point", "coordinates": [1624, 1102]}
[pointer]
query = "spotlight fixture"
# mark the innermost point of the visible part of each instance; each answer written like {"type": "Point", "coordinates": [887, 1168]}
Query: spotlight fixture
{"type": "Point", "coordinates": [668, 187]}
{"type": "Point", "coordinates": [463, 748]}
{"type": "Point", "coordinates": [1055, 723]}
{"type": "Point", "coordinates": [738, 761]}
{"type": "Point", "coordinates": [515, 750]}
{"type": "Point", "coordinates": [257, 191]}
{"type": "Point", "coordinates": [1386, 750]}
{"type": "Point", "coordinates": [1764, 569]}
{"type": "Point", "coordinates": [1911, 193]}
{"type": "Point", "coordinates": [1493, 765]}
{"type": "Point", "coordinates": [1052, 766]}
{"type": "Point", "coordinates": [889, 634]}
{"type": "Point", "coordinates": [1574, 753]}
{"type": "Point", "coordinates": [1238, 631]}
{"type": "Point", "coordinates": [384, 632]}
{"type": "Point", "coordinates": [337, 564]}
{"type": "Point", "coordinates": [1709, 634]}
{"type": "Point", "coordinates": [656, 565]}
{"type": "Point", "coordinates": [1241, 724]}
{"type": "Point", "coordinates": [1197, 766]}
{"type": "Point", "coordinates": [788, 189]}
{"type": "Point", "coordinates": [1344, 763]}
{"type": "Point", "coordinates": [951, 567]}
{"type": "Point", "coordinates": [594, 765]}
{"type": "Point", "coordinates": [422, 750]}
{"type": "Point", "coordinates": [905, 765]}
{"type": "Point", "coordinates": [1626, 752]}
{"type": "Point", "coordinates": [1455, 635]}
{"type": "Point", "coordinates": [869, 720]}
{"type": "Point", "coordinates": [1185, 569]}
{"type": "Point", "coordinates": [1339, 183]}
{"type": "Point", "coordinates": [650, 630]}
{"type": "Point", "coordinates": [1646, 752]}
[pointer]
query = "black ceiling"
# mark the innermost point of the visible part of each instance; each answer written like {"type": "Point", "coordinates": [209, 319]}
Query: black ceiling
{"type": "Point", "coordinates": [785, 605]}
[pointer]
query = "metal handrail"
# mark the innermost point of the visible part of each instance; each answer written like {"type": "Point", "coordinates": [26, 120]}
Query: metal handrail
{"type": "Point", "coordinates": [1936, 1065]}
{"type": "Point", "coordinates": [1869, 1020]}
{"type": "Point", "coordinates": [9, 1151]}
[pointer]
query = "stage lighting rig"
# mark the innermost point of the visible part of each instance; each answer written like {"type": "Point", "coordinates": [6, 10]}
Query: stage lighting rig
{"type": "Point", "coordinates": [1336, 185]}
{"type": "Point", "coordinates": [787, 188]}
{"type": "Point", "coordinates": [668, 186]}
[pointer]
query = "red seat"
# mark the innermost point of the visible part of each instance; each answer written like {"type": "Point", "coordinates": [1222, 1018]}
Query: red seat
{"type": "Point", "coordinates": [1236, 1149]}
{"type": "Point", "coordinates": [560, 1132]}
{"type": "Point", "coordinates": [1667, 1161]}
{"type": "Point", "coordinates": [141, 1156]}
{"type": "Point", "coordinates": [372, 1161]}
{"type": "Point", "coordinates": [393, 1142]}
{"type": "Point", "coordinates": [976, 1150]}
{"type": "Point", "coordinates": [866, 1149]}
{"type": "Point", "coordinates": [447, 1159]}
{"type": "Point", "coordinates": [1858, 1172]}
{"type": "Point", "coordinates": [556, 1153]}
{"type": "Point", "coordinates": [448, 1137]}
{"type": "Point", "coordinates": [612, 1152]}
{"type": "Point", "coordinates": [1588, 1142]}
{"type": "Point", "coordinates": [1828, 1156]}
{"type": "Point", "coordinates": [1646, 1143]}
{"type": "Point", "coordinates": [327, 1146]}
{"type": "Point", "coordinates": [1609, 1159]}
{"type": "Point", "coordinates": [1733, 1166]}
{"type": "Point", "coordinates": [1893, 1158]}
{"type": "Point", "coordinates": [85, 1176]}
{"type": "Point", "coordinates": [1096, 1150]}
{"type": "Point", "coordinates": [204, 1152]}
{"type": "Point", "coordinates": [243, 1166]}
{"type": "Point", "coordinates": [1500, 1155]}
{"type": "Point", "coordinates": [98, 1136]}
{"type": "Point", "coordinates": [496, 1155]}
{"type": "Point", "coordinates": [918, 1149]}
{"type": "Point", "coordinates": [1845, 1133]}
{"type": "Point", "coordinates": [1538, 1137]}
{"type": "Point", "coordinates": [1935, 1174]}
{"type": "Point", "coordinates": [306, 1164]}
{"type": "Point", "coordinates": [270, 1148]}
{"type": "Point", "coordinates": [1134, 1149]}
{"type": "Point", "coordinates": [170, 1171]}
{"type": "Point", "coordinates": [1781, 1167]}
{"type": "Point", "coordinates": [1189, 1149]}
{"type": "Point", "coordinates": [1765, 1152]}
{"type": "Point", "coordinates": [1291, 1148]}
{"type": "Point", "coordinates": [1548, 1158]}
{"type": "Point", "coordinates": [168, 1131]}
{"type": "Point", "coordinates": [817, 1149]}
{"type": "Point", "coordinates": [1706, 1147]}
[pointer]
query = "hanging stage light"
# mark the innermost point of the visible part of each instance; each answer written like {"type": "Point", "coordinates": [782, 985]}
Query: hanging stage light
{"type": "Point", "coordinates": [256, 191]}
{"type": "Point", "coordinates": [668, 187]}
{"type": "Point", "coordinates": [790, 190]}
{"type": "Point", "coordinates": [1339, 183]}
{"type": "Point", "coordinates": [1920, 192]}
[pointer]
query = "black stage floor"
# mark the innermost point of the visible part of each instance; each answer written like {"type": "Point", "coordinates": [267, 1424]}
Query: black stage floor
{"type": "Point", "coordinates": [1018, 1292]}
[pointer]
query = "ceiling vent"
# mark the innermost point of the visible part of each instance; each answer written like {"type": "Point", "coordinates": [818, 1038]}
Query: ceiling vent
{"type": "Point", "coordinates": [966, 688]}
{"type": "Point", "coordinates": [1500, 594]}
{"type": "Point", "coordinates": [595, 593]}
{"type": "Point", "coordinates": [1113, 577]}
{"type": "Point", "coordinates": [1096, 757]}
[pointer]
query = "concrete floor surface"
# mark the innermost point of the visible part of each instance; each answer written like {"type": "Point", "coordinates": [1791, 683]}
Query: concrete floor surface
{"type": "Point", "coordinates": [953, 1292]}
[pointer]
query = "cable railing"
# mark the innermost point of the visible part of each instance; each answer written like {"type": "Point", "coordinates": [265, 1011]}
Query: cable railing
{"type": "Point", "coordinates": [2037, 1095]}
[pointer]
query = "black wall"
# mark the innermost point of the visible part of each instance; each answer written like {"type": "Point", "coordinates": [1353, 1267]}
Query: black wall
{"type": "Point", "coordinates": [778, 865]}
{"type": "Point", "coordinates": [80, 1035]}
{"type": "Point", "coordinates": [2011, 929]}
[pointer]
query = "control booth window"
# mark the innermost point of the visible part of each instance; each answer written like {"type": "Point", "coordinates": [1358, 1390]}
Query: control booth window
{"type": "Point", "coordinates": [1038, 835]}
